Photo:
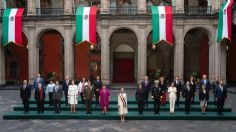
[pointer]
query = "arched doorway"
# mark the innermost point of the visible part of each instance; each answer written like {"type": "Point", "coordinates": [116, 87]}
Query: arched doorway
{"type": "Point", "coordinates": [196, 53]}
{"type": "Point", "coordinates": [123, 56]}
{"type": "Point", "coordinates": [160, 61]}
{"type": "Point", "coordinates": [16, 62]}
{"type": "Point", "coordinates": [87, 61]}
{"type": "Point", "coordinates": [51, 54]}
{"type": "Point", "coordinates": [231, 70]}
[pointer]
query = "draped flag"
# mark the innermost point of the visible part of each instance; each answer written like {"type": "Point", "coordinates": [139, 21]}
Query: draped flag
{"type": "Point", "coordinates": [162, 24]}
{"type": "Point", "coordinates": [86, 25]}
{"type": "Point", "coordinates": [12, 26]}
{"type": "Point", "coordinates": [224, 21]}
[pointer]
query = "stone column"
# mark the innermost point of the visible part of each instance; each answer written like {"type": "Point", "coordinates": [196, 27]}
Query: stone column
{"type": "Point", "coordinates": [31, 8]}
{"type": "Point", "coordinates": [212, 67]}
{"type": "Point", "coordinates": [105, 55]}
{"type": "Point", "coordinates": [179, 6]}
{"type": "Point", "coordinates": [223, 57]}
{"type": "Point", "coordinates": [179, 52]}
{"type": "Point", "coordinates": [69, 52]}
{"type": "Point", "coordinates": [1, 4]}
{"type": "Point", "coordinates": [142, 52]}
{"type": "Point", "coordinates": [2, 65]}
{"type": "Point", "coordinates": [33, 54]}
{"type": "Point", "coordinates": [105, 4]}
{"type": "Point", "coordinates": [142, 7]}
{"type": "Point", "coordinates": [68, 8]}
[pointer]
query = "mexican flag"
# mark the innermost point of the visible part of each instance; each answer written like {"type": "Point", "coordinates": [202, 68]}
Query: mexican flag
{"type": "Point", "coordinates": [12, 26]}
{"type": "Point", "coordinates": [86, 25]}
{"type": "Point", "coordinates": [162, 24]}
{"type": "Point", "coordinates": [224, 21]}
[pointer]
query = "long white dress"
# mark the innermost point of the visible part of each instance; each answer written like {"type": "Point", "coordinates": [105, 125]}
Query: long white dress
{"type": "Point", "coordinates": [73, 94]}
{"type": "Point", "coordinates": [122, 102]}
{"type": "Point", "coordinates": [172, 98]}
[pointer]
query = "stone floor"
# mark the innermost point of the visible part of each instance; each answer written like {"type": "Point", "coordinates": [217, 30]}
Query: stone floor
{"type": "Point", "coordinates": [10, 98]}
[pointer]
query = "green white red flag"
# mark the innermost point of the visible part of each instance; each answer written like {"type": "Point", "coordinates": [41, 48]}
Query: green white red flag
{"type": "Point", "coordinates": [86, 25]}
{"type": "Point", "coordinates": [12, 26]}
{"type": "Point", "coordinates": [162, 24]}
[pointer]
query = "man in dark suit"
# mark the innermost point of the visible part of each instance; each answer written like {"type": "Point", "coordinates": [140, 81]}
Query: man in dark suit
{"type": "Point", "coordinates": [25, 93]}
{"type": "Point", "coordinates": [140, 97]}
{"type": "Point", "coordinates": [57, 95]}
{"type": "Point", "coordinates": [156, 95]}
{"type": "Point", "coordinates": [38, 80]}
{"type": "Point", "coordinates": [40, 97]}
{"type": "Point", "coordinates": [205, 82]}
{"type": "Point", "coordinates": [146, 85]}
{"type": "Point", "coordinates": [97, 86]}
{"type": "Point", "coordinates": [187, 93]}
{"type": "Point", "coordinates": [178, 85]}
{"type": "Point", "coordinates": [66, 84]}
{"type": "Point", "coordinates": [221, 96]}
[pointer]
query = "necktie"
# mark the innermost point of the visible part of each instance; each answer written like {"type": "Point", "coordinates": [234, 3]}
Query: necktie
{"type": "Point", "coordinates": [56, 88]}
{"type": "Point", "coordinates": [221, 88]}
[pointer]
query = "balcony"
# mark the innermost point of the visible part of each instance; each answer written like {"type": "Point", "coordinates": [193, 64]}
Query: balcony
{"type": "Point", "coordinates": [49, 11]}
{"type": "Point", "coordinates": [127, 10]}
{"type": "Point", "coordinates": [149, 9]}
{"type": "Point", "coordinates": [198, 10]}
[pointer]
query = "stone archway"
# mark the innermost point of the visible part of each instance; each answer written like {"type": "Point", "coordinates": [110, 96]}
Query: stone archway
{"type": "Point", "coordinates": [231, 53]}
{"type": "Point", "coordinates": [51, 53]}
{"type": "Point", "coordinates": [87, 62]}
{"type": "Point", "coordinates": [16, 62]}
{"type": "Point", "coordinates": [196, 52]}
{"type": "Point", "coordinates": [161, 58]}
{"type": "Point", "coordinates": [123, 47]}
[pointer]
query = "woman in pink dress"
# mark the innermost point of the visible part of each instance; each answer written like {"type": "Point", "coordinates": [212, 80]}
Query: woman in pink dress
{"type": "Point", "coordinates": [104, 98]}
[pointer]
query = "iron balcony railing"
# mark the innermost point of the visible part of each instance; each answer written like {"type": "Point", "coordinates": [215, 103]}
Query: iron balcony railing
{"type": "Point", "coordinates": [126, 10]}
{"type": "Point", "coordinates": [149, 9]}
{"type": "Point", "coordinates": [198, 10]}
{"type": "Point", "coordinates": [49, 11]}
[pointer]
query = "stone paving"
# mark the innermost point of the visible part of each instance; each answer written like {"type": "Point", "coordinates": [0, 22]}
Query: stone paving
{"type": "Point", "coordinates": [10, 98]}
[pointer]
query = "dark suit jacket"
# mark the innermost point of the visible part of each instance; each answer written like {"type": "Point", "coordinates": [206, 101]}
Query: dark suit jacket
{"type": "Point", "coordinates": [147, 87]}
{"type": "Point", "coordinates": [65, 86]}
{"type": "Point", "coordinates": [187, 94]}
{"type": "Point", "coordinates": [140, 95]}
{"type": "Point", "coordinates": [208, 84]}
{"type": "Point", "coordinates": [97, 85]}
{"type": "Point", "coordinates": [178, 86]}
{"type": "Point", "coordinates": [41, 80]}
{"type": "Point", "coordinates": [203, 96]}
{"type": "Point", "coordinates": [221, 95]}
{"type": "Point", "coordinates": [25, 94]}
{"type": "Point", "coordinates": [57, 94]}
{"type": "Point", "coordinates": [37, 95]}
{"type": "Point", "coordinates": [193, 86]}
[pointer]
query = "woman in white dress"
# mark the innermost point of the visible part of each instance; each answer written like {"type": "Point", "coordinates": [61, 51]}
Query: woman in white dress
{"type": "Point", "coordinates": [73, 96]}
{"type": "Point", "coordinates": [122, 104]}
{"type": "Point", "coordinates": [172, 97]}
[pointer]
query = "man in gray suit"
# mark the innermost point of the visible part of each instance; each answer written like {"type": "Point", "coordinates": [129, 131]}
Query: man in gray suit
{"type": "Point", "coordinates": [57, 95]}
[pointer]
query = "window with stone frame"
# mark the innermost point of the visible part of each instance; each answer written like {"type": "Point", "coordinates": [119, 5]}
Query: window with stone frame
{"type": "Point", "coordinates": [87, 3]}
{"type": "Point", "coordinates": [52, 3]}
{"type": "Point", "coordinates": [159, 2]}
{"type": "Point", "coordinates": [16, 3]}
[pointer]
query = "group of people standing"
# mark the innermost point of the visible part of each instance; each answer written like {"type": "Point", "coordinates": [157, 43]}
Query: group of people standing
{"type": "Point", "coordinates": [159, 91]}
